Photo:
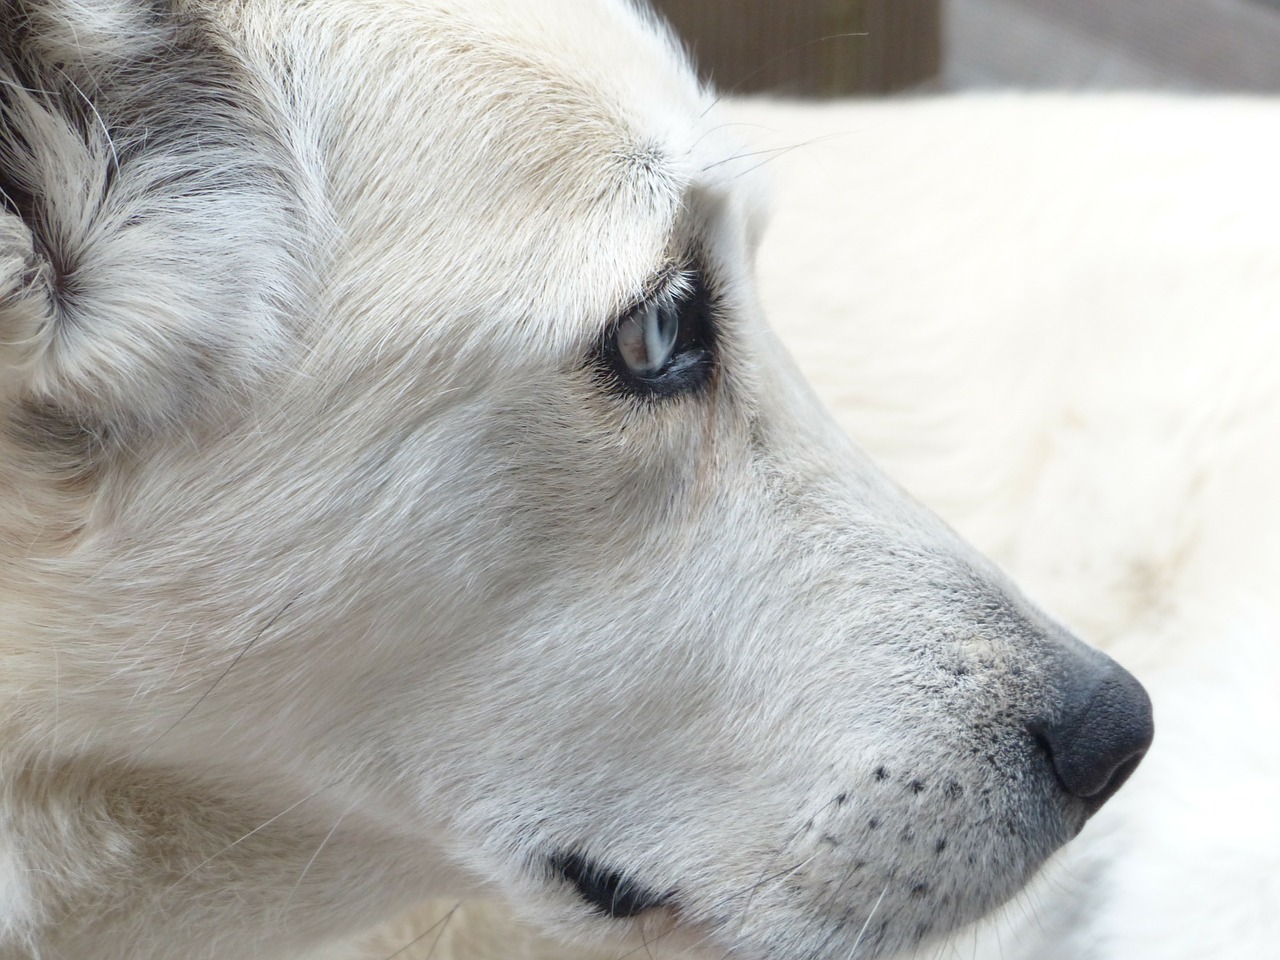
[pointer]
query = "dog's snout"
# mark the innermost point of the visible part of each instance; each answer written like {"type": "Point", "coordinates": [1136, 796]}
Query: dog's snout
{"type": "Point", "coordinates": [1101, 733]}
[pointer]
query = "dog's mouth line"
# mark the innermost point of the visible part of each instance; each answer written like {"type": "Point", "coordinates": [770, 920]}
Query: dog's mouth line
{"type": "Point", "coordinates": [610, 892]}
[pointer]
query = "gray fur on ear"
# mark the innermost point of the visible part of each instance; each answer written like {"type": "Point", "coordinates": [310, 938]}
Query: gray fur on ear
{"type": "Point", "coordinates": [149, 220]}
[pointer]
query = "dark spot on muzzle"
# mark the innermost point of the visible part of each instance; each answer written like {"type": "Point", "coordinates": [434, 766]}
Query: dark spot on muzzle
{"type": "Point", "coordinates": [606, 890]}
{"type": "Point", "coordinates": [1102, 730]}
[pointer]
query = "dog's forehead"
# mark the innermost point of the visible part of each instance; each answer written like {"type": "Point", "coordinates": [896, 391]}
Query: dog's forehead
{"type": "Point", "coordinates": [547, 152]}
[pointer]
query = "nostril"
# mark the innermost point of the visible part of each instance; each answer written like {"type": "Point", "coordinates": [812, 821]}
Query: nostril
{"type": "Point", "coordinates": [1098, 742]}
{"type": "Point", "coordinates": [1040, 738]}
{"type": "Point", "coordinates": [1118, 777]}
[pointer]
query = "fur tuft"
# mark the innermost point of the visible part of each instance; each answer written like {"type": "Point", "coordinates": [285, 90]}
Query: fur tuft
{"type": "Point", "coordinates": [121, 125]}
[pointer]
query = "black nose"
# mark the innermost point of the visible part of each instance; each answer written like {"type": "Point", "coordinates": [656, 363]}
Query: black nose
{"type": "Point", "coordinates": [1101, 733]}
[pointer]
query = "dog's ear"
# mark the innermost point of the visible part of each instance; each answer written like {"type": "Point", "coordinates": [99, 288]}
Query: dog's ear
{"type": "Point", "coordinates": [149, 225]}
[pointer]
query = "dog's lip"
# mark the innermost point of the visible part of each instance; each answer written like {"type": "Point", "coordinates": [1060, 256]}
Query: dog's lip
{"type": "Point", "coordinates": [610, 892]}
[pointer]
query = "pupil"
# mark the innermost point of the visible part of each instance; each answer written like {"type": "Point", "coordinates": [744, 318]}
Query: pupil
{"type": "Point", "coordinates": [661, 335]}
{"type": "Point", "coordinates": [646, 338]}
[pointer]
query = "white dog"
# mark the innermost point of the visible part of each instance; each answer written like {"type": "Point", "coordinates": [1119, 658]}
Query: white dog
{"type": "Point", "coordinates": [1058, 320]}
{"type": "Point", "coordinates": [402, 495]}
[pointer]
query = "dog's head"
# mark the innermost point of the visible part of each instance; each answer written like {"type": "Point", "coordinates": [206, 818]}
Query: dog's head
{"type": "Point", "coordinates": [400, 482]}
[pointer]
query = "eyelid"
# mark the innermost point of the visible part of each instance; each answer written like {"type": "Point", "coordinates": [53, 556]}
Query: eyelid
{"type": "Point", "coordinates": [674, 280]}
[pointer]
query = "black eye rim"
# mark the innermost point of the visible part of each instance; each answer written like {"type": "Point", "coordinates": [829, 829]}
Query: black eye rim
{"type": "Point", "coordinates": [691, 364]}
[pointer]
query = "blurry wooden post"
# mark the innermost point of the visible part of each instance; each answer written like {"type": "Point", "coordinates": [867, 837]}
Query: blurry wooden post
{"type": "Point", "coordinates": [820, 48]}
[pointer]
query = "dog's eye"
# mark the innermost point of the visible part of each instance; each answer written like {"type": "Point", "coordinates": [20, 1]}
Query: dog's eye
{"type": "Point", "coordinates": [663, 346]}
{"type": "Point", "coordinates": [646, 337]}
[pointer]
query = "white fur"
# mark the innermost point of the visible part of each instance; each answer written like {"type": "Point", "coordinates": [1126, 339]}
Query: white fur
{"type": "Point", "coordinates": [340, 571]}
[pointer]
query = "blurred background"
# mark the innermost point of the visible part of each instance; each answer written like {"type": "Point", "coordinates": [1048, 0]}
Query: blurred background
{"type": "Point", "coordinates": [841, 47]}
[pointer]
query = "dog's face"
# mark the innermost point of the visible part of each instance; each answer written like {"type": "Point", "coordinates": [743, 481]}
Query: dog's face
{"type": "Point", "coordinates": [392, 437]}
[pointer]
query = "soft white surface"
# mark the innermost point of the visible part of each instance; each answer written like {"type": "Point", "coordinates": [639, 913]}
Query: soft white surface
{"type": "Point", "coordinates": [1058, 321]}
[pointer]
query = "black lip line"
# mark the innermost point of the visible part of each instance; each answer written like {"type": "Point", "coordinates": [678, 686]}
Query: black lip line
{"type": "Point", "coordinates": [607, 891]}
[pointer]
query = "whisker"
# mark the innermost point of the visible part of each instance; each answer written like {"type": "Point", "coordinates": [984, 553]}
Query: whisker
{"type": "Point", "coordinates": [235, 843]}
{"type": "Point", "coordinates": [775, 150]}
{"type": "Point", "coordinates": [752, 888]}
{"type": "Point", "coordinates": [441, 923]}
{"type": "Point", "coordinates": [327, 837]}
{"type": "Point", "coordinates": [783, 151]}
{"type": "Point", "coordinates": [834, 896]}
{"type": "Point", "coordinates": [870, 917]}
{"type": "Point", "coordinates": [726, 125]}
{"type": "Point", "coordinates": [786, 843]}
{"type": "Point", "coordinates": [222, 676]}
{"type": "Point", "coordinates": [680, 925]}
